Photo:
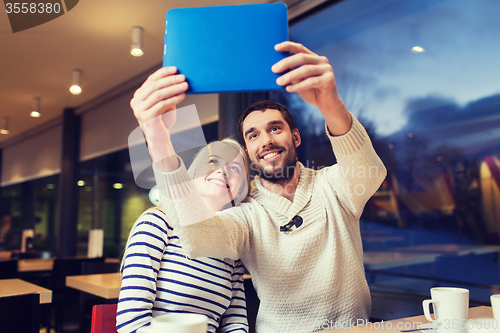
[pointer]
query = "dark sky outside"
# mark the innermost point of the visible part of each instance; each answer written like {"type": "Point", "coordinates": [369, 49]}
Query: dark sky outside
{"type": "Point", "coordinates": [369, 44]}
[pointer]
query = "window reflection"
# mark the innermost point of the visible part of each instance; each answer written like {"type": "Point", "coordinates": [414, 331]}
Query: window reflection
{"type": "Point", "coordinates": [422, 76]}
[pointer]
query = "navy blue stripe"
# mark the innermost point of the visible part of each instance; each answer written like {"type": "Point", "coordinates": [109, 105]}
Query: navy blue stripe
{"type": "Point", "coordinates": [222, 262]}
{"type": "Point", "coordinates": [154, 225]}
{"type": "Point", "coordinates": [141, 266]}
{"type": "Point", "coordinates": [234, 315]}
{"type": "Point", "coordinates": [135, 299]}
{"type": "Point", "coordinates": [149, 234]}
{"type": "Point", "coordinates": [191, 296]}
{"type": "Point", "coordinates": [175, 245]}
{"type": "Point", "coordinates": [133, 320]}
{"type": "Point", "coordinates": [240, 298]}
{"type": "Point", "coordinates": [138, 288]}
{"type": "Point", "coordinates": [147, 245]}
{"type": "Point", "coordinates": [237, 329]}
{"type": "Point", "coordinates": [237, 307]}
{"type": "Point", "coordinates": [131, 310]}
{"type": "Point", "coordinates": [218, 314]}
{"type": "Point", "coordinates": [198, 261]}
{"type": "Point", "coordinates": [195, 268]}
{"type": "Point", "coordinates": [138, 276]}
{"type": "Point", "coordinates": [143, 255]}
{"type": "Point", "coordinates": [198, 278]}
{"type": "Point", "coordinates": [185, 284]}
{"type": "Point", "coordinates": [161, 218]}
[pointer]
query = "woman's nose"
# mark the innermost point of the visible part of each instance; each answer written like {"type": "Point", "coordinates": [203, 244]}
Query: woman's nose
{"type": "Point", "coordinates": [223, 170]}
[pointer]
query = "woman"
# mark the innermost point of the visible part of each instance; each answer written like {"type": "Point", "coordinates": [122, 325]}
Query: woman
{"type": "Point", "coordinates": [157, 277]}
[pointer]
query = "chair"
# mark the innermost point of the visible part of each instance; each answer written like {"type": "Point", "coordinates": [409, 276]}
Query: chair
{"type": "Point", "coordinates": [20, 314]}
{"type": "Point", "coordinates": [64, 298]}
{"type": "Point", "coordinates": [103, 318]}
{"type": "Point", "coordinates": [8, 269]}
{"type": "Point", "coordinates": [253, 303]}
{"type": "Point", "coordinates": [88, 301]}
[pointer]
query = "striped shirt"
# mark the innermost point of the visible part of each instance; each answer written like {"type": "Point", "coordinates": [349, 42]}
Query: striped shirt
{"type": "Point", "coordinates": [158, 278]}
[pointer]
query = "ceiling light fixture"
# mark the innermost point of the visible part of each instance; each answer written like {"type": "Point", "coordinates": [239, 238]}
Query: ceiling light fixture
{"type": "Point", "coordinates": [35, 109]}
{"type": "Point", "coordinates": [5, 126]}
{"type": "Point", "coordinates": [76, 80]}
{"type": "Point", "coordinates": [136, 46]}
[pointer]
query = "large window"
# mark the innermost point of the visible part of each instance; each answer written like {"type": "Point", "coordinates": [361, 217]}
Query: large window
{"type": "Point", "coordinates": [422, 76]}
{"type": "Point", "coordinates": [32, 205]}
{"type": "Point", "coordinates": [109, 198]}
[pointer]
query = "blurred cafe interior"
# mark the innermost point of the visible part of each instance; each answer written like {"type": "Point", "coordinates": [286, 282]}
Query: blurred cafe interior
{"type": "Point", "coordinates": [421, 76]}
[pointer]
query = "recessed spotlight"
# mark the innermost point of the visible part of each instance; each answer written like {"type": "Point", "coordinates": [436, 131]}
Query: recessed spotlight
{"type": "Point", "coordinates": [417, 49]}
{"type": "Point", "coordinates": [76, 79]}
{"type": "Point", "coordinates": [35, 109]}
{"type": "Point", "coordinates": [136, 46]}
{"type": "Point", "coordinates": [5, 126]}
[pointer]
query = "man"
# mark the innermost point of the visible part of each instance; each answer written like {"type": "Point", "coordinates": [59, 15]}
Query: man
{"type": "Point", "coordinates": [298, 232]}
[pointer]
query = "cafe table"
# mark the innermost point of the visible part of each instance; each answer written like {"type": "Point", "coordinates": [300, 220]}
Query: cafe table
{"type": "Point", "coordinates": [396, 325]}
{"type": "Point", "coordinates": [376, 260]}
{"type": "Point", "coordinates": [15, 287]}
{"type": "Point", "coordinates": [103, 285]}
{"type": "Point", "coordinates": [35, 265]}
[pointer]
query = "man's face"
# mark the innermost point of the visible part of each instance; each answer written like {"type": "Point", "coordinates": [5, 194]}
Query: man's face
{"type": "Point", "coordinates": [271, 145]}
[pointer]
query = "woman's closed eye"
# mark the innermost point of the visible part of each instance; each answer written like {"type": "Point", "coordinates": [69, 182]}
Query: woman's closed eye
{"type": "Point", "coordinates": [234, 168]}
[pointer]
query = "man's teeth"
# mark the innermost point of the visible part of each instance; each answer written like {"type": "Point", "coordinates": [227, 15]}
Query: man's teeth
{"type": "Point", "coordinates": [271, 155]}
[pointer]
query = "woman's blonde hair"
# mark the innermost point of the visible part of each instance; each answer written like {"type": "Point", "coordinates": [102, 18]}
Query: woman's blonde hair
{"type": "Point", "coordinates": [231, 142]}
{"type": "Point", "coordinates": [192, 173]}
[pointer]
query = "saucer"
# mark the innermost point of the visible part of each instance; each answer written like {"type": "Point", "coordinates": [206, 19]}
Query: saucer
{"type": "Point", "coordinates": [429, 328]}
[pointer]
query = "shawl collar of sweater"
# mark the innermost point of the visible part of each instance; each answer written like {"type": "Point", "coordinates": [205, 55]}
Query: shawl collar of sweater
{"type": "Point", "coordinates": [281, 205]}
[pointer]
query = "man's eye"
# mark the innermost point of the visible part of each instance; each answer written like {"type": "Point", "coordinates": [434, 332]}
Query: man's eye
{"type": "Point", "coordinates": [253, 136]}
{"type": "Point", "coordinates": [274, 129]}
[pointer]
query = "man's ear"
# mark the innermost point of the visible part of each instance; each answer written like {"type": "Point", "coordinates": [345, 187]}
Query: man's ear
{"type": "Point", "coordinates": [296, 137]}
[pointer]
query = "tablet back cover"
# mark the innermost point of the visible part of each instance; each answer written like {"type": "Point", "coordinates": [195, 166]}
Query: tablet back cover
{"type": "Point", "coordinates": [226, 48]}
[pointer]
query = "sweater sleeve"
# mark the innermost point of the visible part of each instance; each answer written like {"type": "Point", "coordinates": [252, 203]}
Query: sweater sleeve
{"type": "Point", "coordinates": [202, 232]}
{"type": "Point", "coordinates": [235, 317]}
{"type": "Point", "coordinates": [141, 265]}
{"type": "Point", "coordinates": [358, 172]}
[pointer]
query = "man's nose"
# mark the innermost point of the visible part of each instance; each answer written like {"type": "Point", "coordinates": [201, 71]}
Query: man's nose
{"type": "Point", "coordinates": [267, 140]}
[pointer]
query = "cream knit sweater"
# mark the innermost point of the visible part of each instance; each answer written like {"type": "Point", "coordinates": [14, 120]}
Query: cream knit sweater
{"type": "Point", "coordinates": [311, 278]}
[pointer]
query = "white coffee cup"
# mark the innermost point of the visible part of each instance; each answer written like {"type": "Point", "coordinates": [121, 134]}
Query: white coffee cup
{"type": "Point", "coordinates": [451, 309]}
{"type": "Point", "coordinates": [495, 305]}
{"type": "Point", "coordinates": [179, 323]}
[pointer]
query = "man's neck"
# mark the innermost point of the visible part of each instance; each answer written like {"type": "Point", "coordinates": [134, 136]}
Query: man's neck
{"type": "Point", "coordinates": [287, 188]}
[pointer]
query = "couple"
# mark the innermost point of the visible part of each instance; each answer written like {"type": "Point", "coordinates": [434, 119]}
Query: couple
{"type": "Point", "coordinates": [310, 277]}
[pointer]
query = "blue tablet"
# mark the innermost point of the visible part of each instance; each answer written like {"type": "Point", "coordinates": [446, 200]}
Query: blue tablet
{"type": "Point", "coordinates": [226, 48]}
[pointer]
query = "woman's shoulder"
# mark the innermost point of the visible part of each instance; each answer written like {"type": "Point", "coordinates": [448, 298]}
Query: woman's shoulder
{"type": "Point", "coordinates": [154, 217]}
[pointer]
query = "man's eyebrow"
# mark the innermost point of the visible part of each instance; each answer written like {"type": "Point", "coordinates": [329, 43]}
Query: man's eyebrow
{"type": "Point", "coordinates": [275, 122]}
{"type": "Point", "coordinates": [272, 122]}
{"type": "Point", "coordinates": [250, 130]}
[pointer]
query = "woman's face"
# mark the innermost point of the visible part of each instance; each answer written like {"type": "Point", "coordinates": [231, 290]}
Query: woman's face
{"type": "Point", "coordinates": [220, 176]}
